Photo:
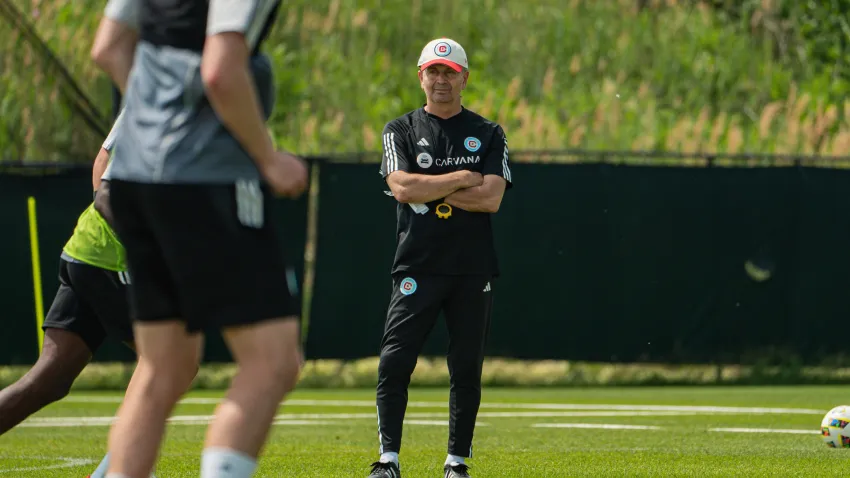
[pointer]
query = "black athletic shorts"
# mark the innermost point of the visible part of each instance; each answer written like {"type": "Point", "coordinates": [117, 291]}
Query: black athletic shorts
{"type": "Point", "coordinates": [207, 255]}
{"type": "Point", "coordinates": [92, 303]}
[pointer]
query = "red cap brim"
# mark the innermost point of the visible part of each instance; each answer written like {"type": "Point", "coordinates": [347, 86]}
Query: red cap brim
{"type": "Point", "coordinates": [442, 61]}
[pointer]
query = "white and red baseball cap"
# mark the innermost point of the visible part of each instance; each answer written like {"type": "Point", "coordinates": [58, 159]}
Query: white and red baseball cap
{"type": "Point", "coordinates": [443, 51]}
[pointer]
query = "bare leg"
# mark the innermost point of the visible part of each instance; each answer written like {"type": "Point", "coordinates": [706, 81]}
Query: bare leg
{"type": "Point", "coordinates": [168, 361]}
{"type": "Point", "coordinates": [64, 355]}
{"type": "Point", "coordinates": [100, 472]}
{"type": "Point", "coordinates": [268, 356]}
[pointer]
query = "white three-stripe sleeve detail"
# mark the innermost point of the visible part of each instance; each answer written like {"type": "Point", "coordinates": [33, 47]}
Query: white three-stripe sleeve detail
{"type": "Point", "coordinates": [388, 153]}
{"type": "Point", "coordinates": [386, 168]}
{"type": "Point", "coordinates": [395, 153]}
{"type": "Point", "coordinates": [506, 169]}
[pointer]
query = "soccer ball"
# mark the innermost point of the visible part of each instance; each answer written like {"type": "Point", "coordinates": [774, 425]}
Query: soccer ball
{"type": "Point", "coordinates": [834, 427]}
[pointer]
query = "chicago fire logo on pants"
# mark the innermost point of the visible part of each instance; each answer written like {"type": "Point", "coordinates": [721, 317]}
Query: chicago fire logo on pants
{"type": "Point", "coordinates": [408, 286]}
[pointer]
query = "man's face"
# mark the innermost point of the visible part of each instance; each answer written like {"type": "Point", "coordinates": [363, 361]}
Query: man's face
{"type": "Point", "coordinates": [442, 84]}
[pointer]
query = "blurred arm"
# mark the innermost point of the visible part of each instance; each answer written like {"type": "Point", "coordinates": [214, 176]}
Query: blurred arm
{"type": "Point", "coordinates": [228, 81]}
{"type": "Point", "coordinates": [99, 167]}
{"type": "Point", "coordinates": [230, 88]}
{"type": "Point", "coordinates": [101, 203]}
{"type": "Point", "coordinates": [101, 173]}
{"type": "Point", "coordinates": [115, 41]}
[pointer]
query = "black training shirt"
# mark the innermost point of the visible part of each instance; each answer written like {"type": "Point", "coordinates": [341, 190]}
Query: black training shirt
{"type": "Point", "coordinates": [183, 23]}
{"type": "Point", "coordinates": [422, 143]}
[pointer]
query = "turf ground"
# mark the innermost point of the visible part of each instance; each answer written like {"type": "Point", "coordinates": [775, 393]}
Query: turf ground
{"type": "Point", "coordinates": [729, 431]}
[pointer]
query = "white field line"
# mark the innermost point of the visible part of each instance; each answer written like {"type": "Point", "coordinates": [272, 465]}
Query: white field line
{"type": "Point", "coordinates": [442, 423]}
{"type": "Point", "coordinates": [654, 427]}
{"type": "Point", "coordinates": [596, 426]}
{"type": "Point", "coordinates": [590, 413]}
{"type": "Point", "coordinates": [766, 430]}
{"type": "Point", "coordinates": [528, 406]}
{"type": "Point", "coordinates": [304, 422]}
{"type": "Point", "coordinates": [310, 418]}
{"type": "Point", "coordinates": [66, 463]}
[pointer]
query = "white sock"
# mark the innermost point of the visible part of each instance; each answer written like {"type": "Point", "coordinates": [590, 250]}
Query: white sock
{"type": "Point", "coordinates": [116, 475]}
{"type": "Point", "coordinates": [454, 460]}
{"type": "Point", "coordinates": [100, 472]}
{"type": "Point", "coordinates": [226, 463]}
{"type": "Point", "coordinates": [389, 456]}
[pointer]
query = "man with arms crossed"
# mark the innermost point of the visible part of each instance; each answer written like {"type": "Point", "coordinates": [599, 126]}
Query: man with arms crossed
{"type": "Point", "coordinates": [448, 169]}
{"type": "Point", "coordinates": [192, 212]}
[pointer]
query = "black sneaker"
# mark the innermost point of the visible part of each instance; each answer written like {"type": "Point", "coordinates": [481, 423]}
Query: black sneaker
{"type": "Point", "coordinates": [458, 470]}
{"type": "Point", "coordinates": [385, 470]}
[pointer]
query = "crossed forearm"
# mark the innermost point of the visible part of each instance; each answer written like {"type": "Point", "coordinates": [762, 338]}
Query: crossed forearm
{"type": "Point", "coordinates": [422, 188]}
{"type": "Point", "coordinates": [474, 199]}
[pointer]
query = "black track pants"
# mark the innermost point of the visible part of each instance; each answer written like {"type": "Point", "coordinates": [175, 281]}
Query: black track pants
{"type": "Point", "coordinates": [414, 307]}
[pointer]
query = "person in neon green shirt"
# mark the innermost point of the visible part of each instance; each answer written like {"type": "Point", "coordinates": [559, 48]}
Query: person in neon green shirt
{"type": "Point", "coordinates": [95, 243]}
{"type": "Point", "coordinates": [90, 305]}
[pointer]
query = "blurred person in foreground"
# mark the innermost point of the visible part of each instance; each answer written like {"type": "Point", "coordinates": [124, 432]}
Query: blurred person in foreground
{"type": "Point", "coordinates": [448, 169]}
{"type": "Point", "coordinates": [191, 194]}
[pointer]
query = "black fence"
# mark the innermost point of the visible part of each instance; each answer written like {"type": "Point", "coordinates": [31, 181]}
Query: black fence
{"type": "Point", "coordinates": [599, 262]}
{"type": "Point", "coordinates": [60, 199]}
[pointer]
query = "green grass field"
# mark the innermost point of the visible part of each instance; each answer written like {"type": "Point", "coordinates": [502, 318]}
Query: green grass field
{"type": "Point", "coordinates": [697, 431]}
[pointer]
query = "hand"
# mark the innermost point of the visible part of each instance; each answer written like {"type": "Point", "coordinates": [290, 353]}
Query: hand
{"type": "Point", "coordinates": [472, 179]}
{"type": "Point", "coordinates": [286, 174]}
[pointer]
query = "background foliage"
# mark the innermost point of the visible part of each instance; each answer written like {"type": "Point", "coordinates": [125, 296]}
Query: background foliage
{"type": "Point", "coordinates": [690, 76]}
